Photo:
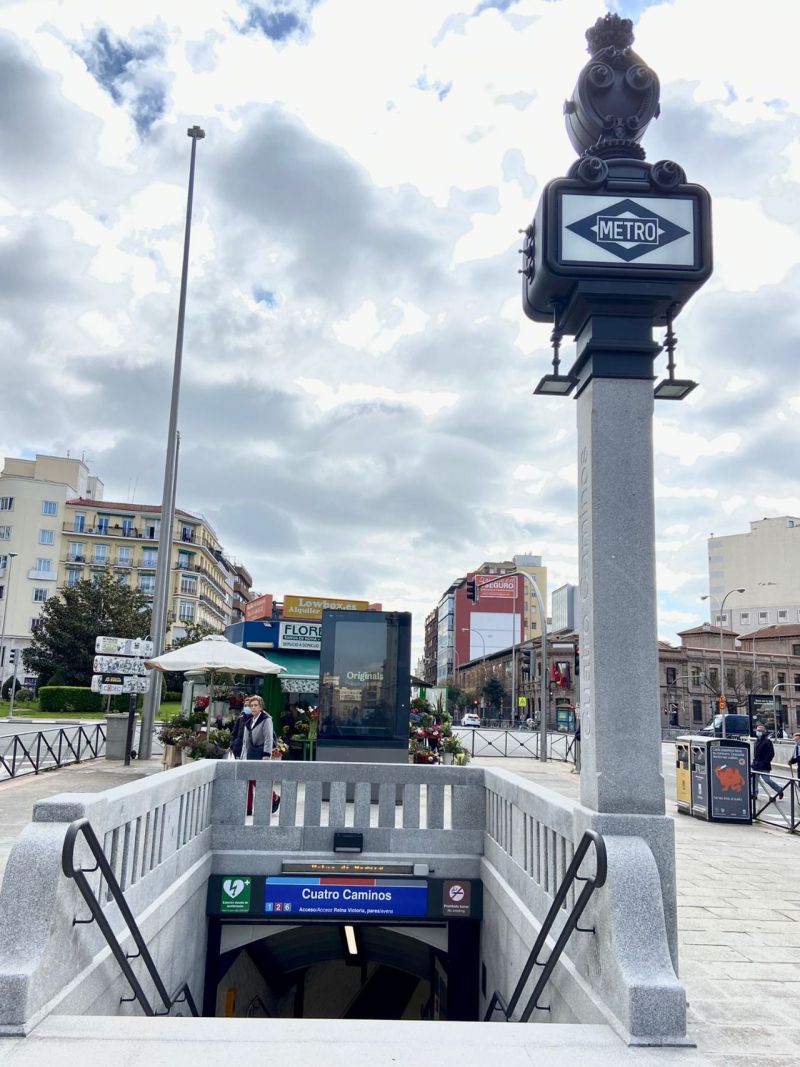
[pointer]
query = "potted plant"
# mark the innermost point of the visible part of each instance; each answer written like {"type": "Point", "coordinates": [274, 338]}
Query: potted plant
{"type": "Point", "coordinates": [172, 736]}
{"type": "Point", "coordinates": [213, 745]}
{"type": "Point", "coordinates": [451, 747]}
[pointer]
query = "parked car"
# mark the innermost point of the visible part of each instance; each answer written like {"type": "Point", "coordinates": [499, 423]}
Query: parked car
{"type": "Point", "coordinates": [735, 726]}
{"type": "Point", "coordinates": [471, 718]}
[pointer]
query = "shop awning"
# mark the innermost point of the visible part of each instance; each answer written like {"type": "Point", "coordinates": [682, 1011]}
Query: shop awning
{"type": "Point", "coordinates": [302, 671]}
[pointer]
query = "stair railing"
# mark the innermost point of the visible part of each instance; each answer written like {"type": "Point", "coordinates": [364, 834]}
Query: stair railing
{"type": "Point", "coordinates": [595, 881]}
{"type": "Point", "coordinates": [183, 995]}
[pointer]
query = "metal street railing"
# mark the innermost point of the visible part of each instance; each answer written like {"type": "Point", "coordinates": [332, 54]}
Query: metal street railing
{"type": "Point", "coordinates": [43, 750]}
{"type": "Point", "coordinates": [515, 742]}
{"type": "Point", "coordinates": [780, 809]}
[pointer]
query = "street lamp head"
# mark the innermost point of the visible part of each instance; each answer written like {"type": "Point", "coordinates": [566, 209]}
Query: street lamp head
{"type": "Point", "coordinates": [556, 385]}
{"type": "Point", "coordinates": [196, 133]}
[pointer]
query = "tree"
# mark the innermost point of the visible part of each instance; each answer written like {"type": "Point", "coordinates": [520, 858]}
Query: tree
{"type": "Point", "coordinates": [494, 691]}
{"type": "Point", "coordinates": [63, 643]}
{"type": "Point", "coordinates": [196, 631]}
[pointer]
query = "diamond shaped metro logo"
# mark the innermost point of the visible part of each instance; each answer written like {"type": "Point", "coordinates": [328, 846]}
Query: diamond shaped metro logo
{"type": "Point", "coordinates": [627, 230]}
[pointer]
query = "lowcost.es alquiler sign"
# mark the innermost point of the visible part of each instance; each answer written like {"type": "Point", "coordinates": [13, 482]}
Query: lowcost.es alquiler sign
{"type": "Point", "coordinates": [306, 607]}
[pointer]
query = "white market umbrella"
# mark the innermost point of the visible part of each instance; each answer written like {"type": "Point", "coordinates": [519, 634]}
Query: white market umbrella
{"type": "Point", "coordinates": [217, 655]}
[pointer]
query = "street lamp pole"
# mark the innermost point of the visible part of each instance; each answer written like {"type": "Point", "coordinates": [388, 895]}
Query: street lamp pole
{"type": "Point", "coordinates": [11, 557]}
{"type": "Point", "coordinates": [152, 699]}
{"type": "Point", "coordinates": [722, 701]}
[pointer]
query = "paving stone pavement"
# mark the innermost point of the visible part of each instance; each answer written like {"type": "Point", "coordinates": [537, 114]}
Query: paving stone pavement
{"type": "Point", "coordinates": [738, 909]}
{"type": "Point", "coordinates": [738, 928]}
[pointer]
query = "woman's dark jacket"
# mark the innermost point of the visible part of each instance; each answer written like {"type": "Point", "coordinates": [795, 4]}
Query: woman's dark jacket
{"type": "Point", "coordinates": [763, 754]}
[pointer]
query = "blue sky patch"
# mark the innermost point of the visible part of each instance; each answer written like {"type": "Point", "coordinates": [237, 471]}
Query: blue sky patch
{"type": "Point", "coordinates": [440, 88]}
{"type": "Point", "coordinates": [264, 296]}
{"type": "Point", "coordinates": [115, 64]}
{"type": "Point", "coordinates": [278, 19]}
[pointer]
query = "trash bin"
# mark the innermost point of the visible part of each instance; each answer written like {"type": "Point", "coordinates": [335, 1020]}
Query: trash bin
{"type": "Point", "coordinates": [116, 734]}
{"type": "Point", "coordinates": [717, 777]}
{"type": "Point", "coordinates": [683, 778]}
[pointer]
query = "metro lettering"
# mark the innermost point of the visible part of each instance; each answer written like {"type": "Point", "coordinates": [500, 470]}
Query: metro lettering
{"type": "Point", "coordinates": [616, 229]}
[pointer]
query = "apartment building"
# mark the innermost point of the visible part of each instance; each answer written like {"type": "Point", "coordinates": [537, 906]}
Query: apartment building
{"type": "Point", "coordinates": [33, 496]}
{"type": "Point", "coordinates": [765, 563]}
{"type": "Point", "coordinates": [100, 536]}
{"type": "Point", "coordinates": [56, 528]}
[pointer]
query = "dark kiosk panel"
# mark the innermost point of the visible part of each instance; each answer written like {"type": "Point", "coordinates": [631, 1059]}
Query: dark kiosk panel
{"type": "Point", "coordinates": [365, 668]}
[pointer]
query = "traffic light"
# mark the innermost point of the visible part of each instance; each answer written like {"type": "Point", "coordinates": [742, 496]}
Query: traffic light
{"type": "Point", "coordinates": [527, 660]}
{"type": "Point", "coordinates": [577, 661]}
{"type": "Point", "coordinates": [12, 655]}
{"type": "Point", "coordinates": [472, 590]}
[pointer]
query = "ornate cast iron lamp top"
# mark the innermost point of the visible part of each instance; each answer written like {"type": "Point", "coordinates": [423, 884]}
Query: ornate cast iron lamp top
{"type": "Point", "coordinates": [616, 95]}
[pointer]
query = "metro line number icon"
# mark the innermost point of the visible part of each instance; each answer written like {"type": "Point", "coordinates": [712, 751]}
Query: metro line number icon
{"type": "Point", "coordinates": [627, 230]}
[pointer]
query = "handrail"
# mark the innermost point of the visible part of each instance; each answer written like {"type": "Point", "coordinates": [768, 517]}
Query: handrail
{"type": "Point", "coordinates": [78, 874]}
{"type": "Point", "coordinates": [52, 744]}
{"type": "Point", "coordinates": [590, 837]}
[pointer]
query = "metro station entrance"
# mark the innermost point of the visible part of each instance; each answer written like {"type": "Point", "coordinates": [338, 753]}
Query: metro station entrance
{"type": "Point", "coordinates": [296, 963]}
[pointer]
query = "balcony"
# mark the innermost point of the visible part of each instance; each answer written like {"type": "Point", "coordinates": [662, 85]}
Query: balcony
{"type": "Point", "coordinates": [75, 560]}
{"type": "Point", "coordinates": [42, 576]}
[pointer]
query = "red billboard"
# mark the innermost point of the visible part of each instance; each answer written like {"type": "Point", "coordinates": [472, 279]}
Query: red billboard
{"type": "Point", "coordinates": [260, 608]}
{"type": "Point", "coordinates": [503, 587]}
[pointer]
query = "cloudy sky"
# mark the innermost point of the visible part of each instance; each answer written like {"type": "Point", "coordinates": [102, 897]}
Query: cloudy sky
{"type": "Point", "coordinates": [356, 412]}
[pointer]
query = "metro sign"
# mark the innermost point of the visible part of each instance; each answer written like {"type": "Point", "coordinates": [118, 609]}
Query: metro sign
{"type": "Point", "coordinates": [627, 230]}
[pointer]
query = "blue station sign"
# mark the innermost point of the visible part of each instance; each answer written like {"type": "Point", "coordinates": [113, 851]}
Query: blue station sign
{"type": "Point", "coordinates": [341, 896]}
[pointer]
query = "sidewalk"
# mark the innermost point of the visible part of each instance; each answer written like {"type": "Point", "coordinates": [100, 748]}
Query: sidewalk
{"type": "Point", "coordinates": [18, 795]}
{"type": "Point", "coordinates": [738, 929]}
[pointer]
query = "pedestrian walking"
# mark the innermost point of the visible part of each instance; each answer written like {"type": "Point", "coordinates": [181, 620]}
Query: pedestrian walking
{"type": "Point", "coordinates": [794, 759]}
{"type": "Point", "coordinates": [238, 728]}
{"type": "Point", "coordinates": [763, 755]}
{"type": "Point", "coordinates": [257, 744]}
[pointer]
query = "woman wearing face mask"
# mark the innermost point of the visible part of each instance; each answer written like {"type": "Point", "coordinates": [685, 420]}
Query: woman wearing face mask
{"type": "Point", "coordinates": [237, 732]}
{"type": "Point", "coordinates": [763, 755]}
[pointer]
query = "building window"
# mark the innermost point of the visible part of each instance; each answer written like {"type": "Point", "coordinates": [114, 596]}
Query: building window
{"type": "Point", "coordinates": [3, 562]}
{"type": "Point", "coordinates": [79, 522]}
{"type": "Point", "coordinates": [124, 554]}
{"type": "Point", "coordinates": [783, 615]}
{"type": "Point", "coordinates": [189, 584]}
{"type": "Point", "coordinates": [101, 553]}
{"type": "Point", "coordinates": [49, 507]}
{"type": "Point", "coordinates": [744, 617]}
{"type": "Point", "coordinates": [97, 577]}
{"type": "Point", "coordinates": [149, 557]}
{"type": "Point", "coordinates": [184, 561]}
{"type": "Point", "coordinates": [730, 677]}
{"type": "Point", "coordinates": [764, 680]}
{"type": "Point", "coordinates": [713, 678]}
{"type": "Point", "coordinates": [5, 533]}
{"type": "Point", "coordinates": [36, 624]}
{"type": "Point", "coordinates": [722, 620]}
{"type": "Point", "coordinates": [76, 553]}
{"type": "Point", "coordinates": [797, 683]}
{"type": "Point", "coordinates": [2, 591]}
{"type": "Point", "coordinates": [697, 676]}
{"type": "Point", "coordinates": [147, 583]}
{"type": "Point", "coordinates": [43, 565]}
{"type": "Point", "coordinates": [186, 611]}
{"type": "Point", "coordinates": [6, 503]}
{"type": "Point", "coordinates": [187, 533]}
{"type": "Point", "coordinates": [697, 711]}
{"type": "Point", "coordinates": [122, 577]}
{"type": "Point", "coordinates": [127, 527]}
{"type": "Point", "coordinates": [102, 524]}
{"type": "Point", "coordinates": [47, 537]}
{"type": "Point", "coordinates": [763, 616]}
{"type": "Point", "coordinates": [39, 595]}
{"type": "Point", "coordinates": [73, 576]}
{"type": "Point", "coordinates": [781, 677]}
{"type": "Point", "coordinates": [672, 675]}
{"type": "Point", "coordinates": [796, 650]}
{"type": "Point", "coordinates": [748, 680]}
{"type": "Point", "coordinates": [151, 529]}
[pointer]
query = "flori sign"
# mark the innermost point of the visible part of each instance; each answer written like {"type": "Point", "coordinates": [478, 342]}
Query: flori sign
{"type": "Point", "coordinates": [301, 635]}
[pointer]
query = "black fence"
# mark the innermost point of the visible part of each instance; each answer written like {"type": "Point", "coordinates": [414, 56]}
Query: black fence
{"type": "Point", "coordinates": [44, 750]}
{"type": "Point", "coordinates": [779, 807]}
{"type": "Point", "coordinates": [489, 741]}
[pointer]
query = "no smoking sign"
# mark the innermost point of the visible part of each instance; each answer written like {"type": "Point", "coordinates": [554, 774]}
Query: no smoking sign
{"type": "Point", "coordinates": [456, 898]}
